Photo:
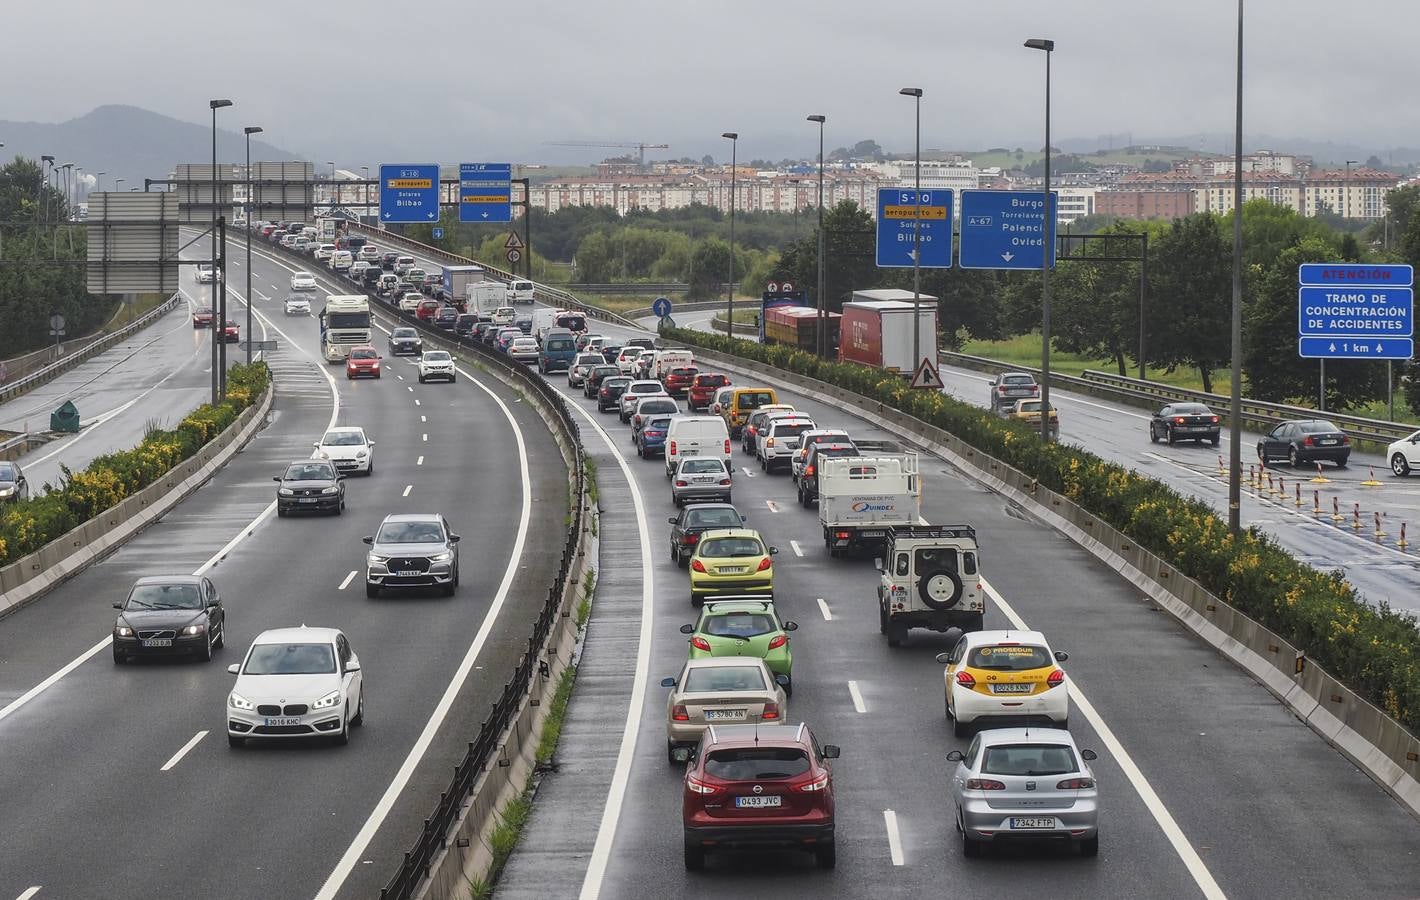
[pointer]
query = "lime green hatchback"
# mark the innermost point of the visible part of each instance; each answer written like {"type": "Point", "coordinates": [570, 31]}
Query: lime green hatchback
{"type": "Point", "coordinates": [743, 627]}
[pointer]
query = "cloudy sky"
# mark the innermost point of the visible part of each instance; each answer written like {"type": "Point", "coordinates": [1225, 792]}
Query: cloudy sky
{"type": "Point", "coordinates": [470, 79]}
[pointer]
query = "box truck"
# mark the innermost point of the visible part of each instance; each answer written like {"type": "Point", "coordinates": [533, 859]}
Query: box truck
{"type": "Point", "coordinates": [797, 326]}
{"type": "Point", "coordinates": [457, 279]}
{"type": "Point", "coordinates": [876, 330]}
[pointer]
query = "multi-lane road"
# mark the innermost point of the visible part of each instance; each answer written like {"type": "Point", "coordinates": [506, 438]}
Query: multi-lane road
{"type": "Point", "coordinates": [117, 780]}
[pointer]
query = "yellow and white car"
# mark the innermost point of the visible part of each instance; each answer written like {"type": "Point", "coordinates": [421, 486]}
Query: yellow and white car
{"type": "Point", "coordinates": [731, 561]}
{"type": "Point", "coordinates": [1004, 678]}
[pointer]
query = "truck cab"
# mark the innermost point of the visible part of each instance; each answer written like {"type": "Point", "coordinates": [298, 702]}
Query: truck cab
{"type": "Point", "coordinates": [929, 577]}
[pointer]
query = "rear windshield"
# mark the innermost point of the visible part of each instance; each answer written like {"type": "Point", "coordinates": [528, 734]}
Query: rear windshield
{"type": "Point", "coordinates": [1318, 427]}
{"type": "Point", "coordinates": [655, 406]}
{"type": "Point", "coordinates": [1192, 409]}
{"type": "Point", "coordinates": [740, 625]}
{"type": "Point", "coordinates": [1009, 659]}
{"type": "Point", "coordinates": [571, 323]}
{"type": "Point", "coordinates": [560, 344]}
{"type": "Point", "coordinates": [711, 380]}
{"type": "Point", "coordinates": [756, 763]}
{"type": "Point", "coordinates": [659, 425]}
{"type": "Point", "coordinates": [701, 466]}
{"type": "Point", "coordinates": [791, 430]}
{"type": "Point", "coordinates": [683, 373]}
{"type": "Point", "coordinates": [725, 678]}
{"type": "Point", "coordinates": [755, 399]}
{"type": "Point", "coordinates": [714, 518]}
{"type": "Point", "coordinates": [1017, 379]}
{"type": "Point", "coordinates": [732, 547]}
{"type": "Point", "coordinates": [1028, 759]}
{"type": "Point", "coordinates": [838, 451]}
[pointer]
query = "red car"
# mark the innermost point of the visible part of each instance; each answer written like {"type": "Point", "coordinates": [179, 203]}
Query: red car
{"type": "Point", "coordinates": [703, 387]}
{"type": "Point", "coordinates": [759, 786]}
{"type": "Point", "coordinates": [678, 380]}
{"type": "Point", "coordinates": [231, 334]}
{"type": "Point", "coordinates": [426, 310]}
{"type": "Point", "coordinates": [202, 317]}
{"type": "Point", "coordinates": [363, 361]}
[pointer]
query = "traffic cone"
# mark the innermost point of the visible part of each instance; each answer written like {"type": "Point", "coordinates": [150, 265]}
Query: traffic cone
{"type": "Point", "coordinates": [1320, 478]}
{"type": "Point", "coordinates": [1371, 482]}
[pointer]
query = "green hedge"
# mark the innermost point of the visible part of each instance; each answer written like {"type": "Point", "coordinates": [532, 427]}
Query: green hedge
{"type": "Point", "coordinates": [29, 525]}
{"type": "Point", "coordinates": [1373, 649]}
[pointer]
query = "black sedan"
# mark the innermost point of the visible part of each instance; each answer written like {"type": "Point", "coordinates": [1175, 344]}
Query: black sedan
{"type": "Point", "coordinates": [166, 615]}
{"type": "Point", "coordinates": [609, 394]}
{"type": "Point", "coordinates": [694, 520]}
{"type": "Point", "coordinates": [593, 382]}
{"type": "Point", "coordinates": [405, 340]}
{"type": "Point", "coordinates": [446, 318]}
{"type": "Point", "coordinates": [1305, 441]}
{"type": "Point", "coordinates": [310, 486]}
{"type": "Point", "coordinates": [1185, 422]}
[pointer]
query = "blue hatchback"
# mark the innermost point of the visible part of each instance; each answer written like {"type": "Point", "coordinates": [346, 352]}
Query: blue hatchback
{"type": "Point", "coordinates": [651, 438]}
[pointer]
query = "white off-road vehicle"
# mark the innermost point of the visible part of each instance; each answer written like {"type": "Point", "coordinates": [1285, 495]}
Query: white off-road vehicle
{"type": "Point", "coordinates": [929, 577]}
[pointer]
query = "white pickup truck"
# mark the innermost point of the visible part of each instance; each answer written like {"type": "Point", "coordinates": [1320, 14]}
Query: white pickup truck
{"type": "Point", "coordinates": [861, 497]}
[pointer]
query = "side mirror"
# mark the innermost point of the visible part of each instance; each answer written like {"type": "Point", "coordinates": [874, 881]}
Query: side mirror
{"type": "Point", "coordinates": [956, 756]}
{"type": "Point", "coordinates": [773, 551]}
{"type": "Point", "coordinates": [339, 476]}
{"type": "Point", "coordinates": [830, 751]}
{"type": "Point", "coordinates": [781, 680]}
{"type": "Point", "coordinates": [455, 538]}
{"type": "Point", "coordinates": [944, 658]}
{"type": "Point", "coordinates": [684, 629]}
{"type": "Point", "coordinates": [353, 665]}
{"type": "Point", "coordinates": [371, 443]}
{"type": "Point", "coordinates": [315, 443]}
{"type": "Point", "coordinates": [1061, 656]}
{"type": "Point", "coordinates": [234, 668]}
{"type": "Point", "coordinates": [118, 606]}
{"type": "Point", "coordinates": [673, 519]}
{"type": "Point", "coordinates": [667, 682]}
{"type": "Point", "coordinates": [275, 477]}
{"type": "Point", "coordinates": [743, 519]}
{"type": "Point", "coordinates": [1089, 755]}
{"type": "Point", "coordinates": [369, 538]}
{"type": "Point", "coordinates": [791, 626]}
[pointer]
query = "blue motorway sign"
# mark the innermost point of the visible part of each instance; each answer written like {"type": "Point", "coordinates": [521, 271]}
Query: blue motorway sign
{"type": "Point", "coordinates": [1355, 348]}
{"type": "Point", "coordinates": [661, 307]}
{"type": "Point", "coordinates": [1355, 311]}
{"type": "Point", "coordinates": [409, 193]}
{"type": "Point", "coordinates": [1005, 229]}
{"type": "Point", "coordinates": [438, 234]}
{"type": "Point", "coordinates": [898, 210]}
{"type": "Point", "coordinates": [485, 192]}
{"type": "Point", "coordinates": [1344, 274]}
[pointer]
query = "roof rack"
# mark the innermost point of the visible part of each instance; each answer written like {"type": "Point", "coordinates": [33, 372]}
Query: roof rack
{"type": "Point", "coordinates": [763, 600]}
{"type": "Point", "coordinates": [933, 531]}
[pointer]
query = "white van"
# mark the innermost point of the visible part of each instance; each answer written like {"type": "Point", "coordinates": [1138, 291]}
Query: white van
{"type": "Point", "coordinates": [341, 260]}
{"type": "Point", "coordinates": [504, 315]}
{"type": "Point", "coordinates": [520, 291]}
{"type": "Point", "coordinates": [665, 360]}
{"type": "Point", "coordinates": [696, 436]}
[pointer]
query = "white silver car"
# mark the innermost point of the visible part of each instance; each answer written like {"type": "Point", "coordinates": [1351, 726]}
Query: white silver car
{"type": "Point", "coordinates": [303, 281]}
{"type": "Point", "coordinates": [584, 363]}
{"type": "Point", "coordinates": [298, 306]}
{"type": "Point", "coordinates": [524, 349]}
{"type": "Point", "coordinates": [296, 683]}
{"type": "Point", "coordinates": [409, 301]}
{"type": "Point", "coordinates": [323, 251]}
{"type": "Point", "coordinates": [633, 394]}
{"type": "Point", "coordinates": [435, 364]}
{"type": "Point", "coordinates": [204, 273]}
{"type": "Point", "coordinates": [349, 448]}
{"type": "Point", "coordinates": [1404, 455]}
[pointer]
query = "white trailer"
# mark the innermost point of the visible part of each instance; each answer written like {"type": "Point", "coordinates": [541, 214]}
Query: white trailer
{"type": "Point", "coordinates": [484, 297]}
{"type": "Point", "coordinates": [861, 497]}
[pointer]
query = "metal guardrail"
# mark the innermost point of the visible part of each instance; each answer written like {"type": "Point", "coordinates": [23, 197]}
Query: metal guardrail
{"type": "Point", "coordinates": [1256, 413]}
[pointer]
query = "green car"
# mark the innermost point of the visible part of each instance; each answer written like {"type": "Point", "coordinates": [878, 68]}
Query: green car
{"type": "Point", "coordinates": [743, 627]}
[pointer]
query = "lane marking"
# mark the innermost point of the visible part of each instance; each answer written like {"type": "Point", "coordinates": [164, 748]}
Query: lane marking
{"type": "Point", "coordinates": [346, 583]}
{"type": "Point", "coordinates": [419, 461]}
{"type": "Point", "coordinates": [29, 892]}
{"type": "Point", "coordinates": [857, 696]}
{"type": "Point", "coordinates": [798, 551]}
{"type": "Point", "coordinates": [423, 418]}
{"type": "Point", "coordinates": [400, 377]}
{"type": "Point", "coordinates": [416, 401]}
{"type": "Point", "coordinates": [894, 838]}
{"type": "Point", "coordinates": [1191, 860]}
{"type": "Point", "coordinates": [409, 387]}
{"type": "Point", "coordinates": [827, 616]}
{"type": "Point", "coordinates": [424, 437]}
{"type": "Point", "coordinates": [748, 473]}
{"type": "Point", "coordinates": [177, 757]}
{"type": "Point", "coordinates": [407, 489]}
{"type": "Point", "coordinates": [773, 507]}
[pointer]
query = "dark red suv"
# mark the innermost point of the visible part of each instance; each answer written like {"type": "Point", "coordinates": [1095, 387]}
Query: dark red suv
{"type": "Point", "coordinates": [678, 380]}
{"type": "Point", "coordinates": [759, 786]}
{"type": "Point", "coordinates": [703, 387]}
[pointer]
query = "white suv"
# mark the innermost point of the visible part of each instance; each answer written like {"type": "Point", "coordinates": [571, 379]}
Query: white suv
{"type": "Point", "coordinates": [929, 577]}
{"type": "Point", "coordinates": [435, 364]}
{"type": "Point", "coordinates": [776, 443]}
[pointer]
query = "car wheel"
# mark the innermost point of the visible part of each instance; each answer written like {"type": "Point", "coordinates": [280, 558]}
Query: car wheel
{"type": "Point", "coordinates": [370, 470]}
{"type": "Point", "coordinates": [1341, 463]}
{"type": "Point", "coordinates": [421, 379]}
{"type": "Point", "coordinates": [1090, 846]}
{"type": "Point", "coordinates": [1293, 458]}
{"type": "Point", "coordinates": [694, 858]}
{"type": "Point", "coordinates": [971, 849]}
{"type": "Point", "coordinates": [697, 602]}
{"type": "Point", "coordinates": [205, 654]}
{"type": "Point", "coordinates": [896, 634]}
{"type": "Point", "coordinates": [372, 590]}
{"type": "Point", "coordinates": [975, 623]}
{"type": "Point", "coordinates": [1399, 465]}
{"type": "Point", "coordinates": [448, 589]}
{"type": "Point", "coordinates": [1214, 440]}
{"type": "Point", "coordinates": [670, 753]}
{"type": "Point", "coordinates": [280, 512]}
{"type": "Point", "coordinates": [343, 737]}
{"type": "Point", "coordinates": [118, 657]}
{"type": "Point", "coordinates": [221, 637]}
{"type": "Point", "coordinates": [1153, 435]}
{"type": "Point", "coordinates": [825, 856]}
{"type": "Point", "coordinates": [1171, 438]}
{"type": "Point", "coordinates": [234, 741]}
{"type": "Point", "coordinates": [359, 711]}
{"type": "Point", "coordinates": [882, 618]}
{"type": "Point", "coordinates": [961, 729]}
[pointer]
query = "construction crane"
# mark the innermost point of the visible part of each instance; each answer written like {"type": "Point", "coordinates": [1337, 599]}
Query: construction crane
{"type": "Point", "coordinates": [638, 146]}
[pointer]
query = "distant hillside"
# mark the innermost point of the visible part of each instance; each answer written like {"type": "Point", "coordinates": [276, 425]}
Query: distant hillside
{"type": "Point", "coordinates": [130, 143]}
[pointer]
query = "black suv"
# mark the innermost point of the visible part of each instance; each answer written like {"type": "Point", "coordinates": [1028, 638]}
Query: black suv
{"type": "Point", "coordinates": [808, 481]}
{"type": "Point", "coordinates": [387, 261]}
{"type": "Point", "coordinates": [405, 340]}
{"type": "Point", "coordinates": [370, 277]}
{"type": "Point", "coordinates": [465, 324]}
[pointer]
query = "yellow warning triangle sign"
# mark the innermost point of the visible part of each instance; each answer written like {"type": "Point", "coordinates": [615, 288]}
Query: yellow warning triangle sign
{"type": "Point", "coordinates": [513, 242]}
{"type": "Point", "coordinates": [926, 376]}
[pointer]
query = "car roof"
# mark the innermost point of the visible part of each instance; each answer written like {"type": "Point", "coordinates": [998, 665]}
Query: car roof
{"type": "Point", "coordinates": [168, 579]}
{"type": "Point", "coordinates": [730, 533]}
{"type": "Point", "coordinates": [982, 638]}
{"type": "Point", "coordinates": [413, 517]}
{"type": "Point", "coordinates": [753, 734]}
{"type": "Point", "coordinates": [301, 633]}
{"type": "Point", "coordinates": [994, 737]}
{"type": "Point", "coordinates": [723, 662]}
{"type": "Point", "coordinates": [347, 428]}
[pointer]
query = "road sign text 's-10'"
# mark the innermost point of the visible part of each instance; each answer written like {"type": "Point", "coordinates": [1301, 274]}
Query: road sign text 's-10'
{"type": "Point", "coordinates": [906, 222]}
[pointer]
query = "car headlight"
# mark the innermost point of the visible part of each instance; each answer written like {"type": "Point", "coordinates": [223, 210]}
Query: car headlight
{"type": "Point", "coordinates": [237, 701]}
{"type": "Point", "coordinates": [195, 629]}
{"type": "Point", "coordinates": [286, 492]}
{"type": "Point", "coordinates": [329, 490]}
{"type": "Point", "coordinates": [122, 631]}
{"type": "Point", "coordinates": [8, 491]}
{"type": "Point", "coordinates": [441, 557]}
{"type": "Point", "coordinates": [361, 454]}
{"type": "Point", "coordinates": [375, 559]}
{"type": "Point", "coordinates": [326, 702]}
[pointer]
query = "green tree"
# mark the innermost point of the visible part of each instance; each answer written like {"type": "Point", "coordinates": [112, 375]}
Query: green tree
{"type": "Point", "coordinates": [849, 259]}
{"type": "Point", "coordinates": [1190, 297]}
{"type": "Point", "coordinates": [710, 266]}
{"type": "Point", "coordinates": [594, 259]}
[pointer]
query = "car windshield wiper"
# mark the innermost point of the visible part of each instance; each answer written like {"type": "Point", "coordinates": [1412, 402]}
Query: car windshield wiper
{"type": "Point", "coordinates": [138, 604]}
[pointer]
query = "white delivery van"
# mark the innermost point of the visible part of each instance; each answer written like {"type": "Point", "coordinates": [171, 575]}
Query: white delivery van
{"type": "Point", "coordinates": [665, 360]}
{"type": "Point", "coordinates": [696, 436]}
{"type": "Point", "coordinates": [520, 291]}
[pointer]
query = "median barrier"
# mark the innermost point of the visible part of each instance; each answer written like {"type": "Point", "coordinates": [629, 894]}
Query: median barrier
{"type": "Point", "coordinates": [1377, 743]}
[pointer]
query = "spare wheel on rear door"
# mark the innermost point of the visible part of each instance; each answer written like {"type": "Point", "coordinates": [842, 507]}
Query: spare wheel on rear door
{"type": "Point", "coordinates": [940, 588]}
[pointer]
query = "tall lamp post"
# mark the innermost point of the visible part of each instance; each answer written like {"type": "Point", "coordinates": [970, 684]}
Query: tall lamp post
{"type": "Point", "coordinates": [822, 344]}
{"type": "Point", "coordinates": [333, 197]}
{"type": "Point", "coordinates": [118, 184]}
{"type": "Point", "coordinates": [734, 138]}
{"type": "Point", "coordinates": [219, 321]}
{"type": "Point", "coordinates": [1235, 391]}
{"type": "Point", "coordinates": [365, 177]}
{"type": "Point", "coordinates": [249, 131]}
{"type": "Point", "coordinates": [99, 182]}
{"type": "Point", "coordinates": [1048, 241]}
{"type": "Point", "coordinates": [916, 94]}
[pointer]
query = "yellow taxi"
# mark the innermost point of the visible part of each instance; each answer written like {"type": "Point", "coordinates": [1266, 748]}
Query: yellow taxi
{"type": "Point", "coordinates": [731, 561]}
{"type": "Point", "coordinates": [1004, 678]}
{"type": "Point", "coordinates": [1028, 411]}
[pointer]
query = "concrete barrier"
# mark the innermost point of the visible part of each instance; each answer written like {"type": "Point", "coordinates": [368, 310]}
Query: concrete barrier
{"type": "Point", "coordinates": [1381, 746]}
{"type": "Point", "coordinates": [29, 577]}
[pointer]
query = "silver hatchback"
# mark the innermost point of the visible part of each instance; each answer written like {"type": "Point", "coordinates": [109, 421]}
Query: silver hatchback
{"type": "Point", "coordinates": [1025, 783]}
{"type": "Point", "coordinates": [700, 478]}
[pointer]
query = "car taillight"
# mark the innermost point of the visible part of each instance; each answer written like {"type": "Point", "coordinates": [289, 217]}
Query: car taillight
{"type": "Point", "coordinates": [1055, 679]}
{"type": "Point", "coordinates": [679, 713]}
{"type": "Point", "coordinates": [777, 641]}
{"type": "Point", "coordinates": [695, 785]}
{"type": "Point", "coordinates": [1307, 441]}
{"type": "Point", "coordinates": [771, 711]}
{"type": "Point", "coordinates": [1215, 420]}
{"type": "Point", "coordinates": [724, 482]}
{"type": "Point", "coordinates": [679, 483]}
{"type": "Point", "coordinates": [699, 643]}
{"type": "Point", "coordinates": [808, 470]}
{"type": "Point", "coordinates": [984, 784]}
{"type": "Point", "coordinates": [818, 784]}
{"type": "Point", "coordinates": [672, 448]}
{"type": "Point", "coordinates": [727, 445]}
{"type": "Point", "coordinates": [697, 566]}
{"type": "Point", "coordinates": [1001, 389]}
{"type": "Point", "coordinates": [1178, 420]}
{"type": "Point", "coordinates": [1075, 784]}
{"type": "Point", "coordinates": [769, 442]}
{"type": "Point", "coordinates": [965, 680]}
{"type": "Point", "coordinates": [690, 539]}
{"type": "Point", "coordinates": [843, 535]}
{"type": "Point", "coordinates": [763, 563]}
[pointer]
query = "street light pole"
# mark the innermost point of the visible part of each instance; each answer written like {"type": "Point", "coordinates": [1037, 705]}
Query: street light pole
{"type": "Point", "coordinates": [98, 184]}
{"type": "Point", "coordinates": [1235, 392]}
{"type": "Point", "coordinates": [219, 323]}
{"type": "Point", "coordinates": [334, 198]}
{"type": "Point", "coordinates": [1048, 242]}
{"type": "Point", "coordinates": [734, 139]}
{"type": "Point", "coordinates": [916, 94]}
{"type": "Point", "coordinates": [365, 177]}
{"type": "Point", "coordinates": [249, 131]}
{"type": "Point", "coordinates": [822, 342]}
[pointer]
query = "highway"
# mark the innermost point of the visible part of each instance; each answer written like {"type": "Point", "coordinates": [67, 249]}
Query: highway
{"type": "Point", "coordinates": [126, 769]}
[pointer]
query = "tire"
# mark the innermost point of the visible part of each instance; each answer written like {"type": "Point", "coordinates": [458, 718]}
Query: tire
{"type": "Point", "coordinates": [343, 737]}
{"type": "Point", "coordinates": [1172, 440]}
{"type": "Point", "coordinates": [1399, 466]}
{"type": "Point", "coordinates": [971, 849]}
{"type": "Point", "coordinates": [205, 654]}
{"type": "Point", "coordinates": [448, 589]}
{"type": "Point", "coordinates": [1293, 458]}
{"type": "Point", "coordinates": [1153, 435]}
{"type": "Point", "coordinates": [371, 470]}
{"type": "Point", "coordinates": [961, 729]}
{"type": "Point", "coordinates": [675, 556]}
{"type": "Point", "coordinates": [825, 855]}
{"type": "Point", "coordinates": [372, 590]}
{"type": "Point", "coordinates": [882, 618]}
{"type": "Point", "coordinates": [421, 379]}
{"type": "Point", "coordinates": [1341, 463]}
{"type": "Point", "coordinates": [280, 513]}
{"type": "Point", "coordinates": [1090, 846]}
{"type": "Point", "coordinates": [896, 634]}
{"type": "Point", "coordinates": [975, 623]}
{"type": "Point", "coordinates": [933, 600]}
{"type": "Point", "coordinates": [1215, 440]}
{"type": "Point", "coordinates": [694, 858]}
{"type": "Point", "coordinates": [359, 710]}
{"type": "Point", "coordinates": [234, 741]}
{"type": "Point", "coordinates": [221, 637]}
{"type": "Point", "coordinates": [118, 658]}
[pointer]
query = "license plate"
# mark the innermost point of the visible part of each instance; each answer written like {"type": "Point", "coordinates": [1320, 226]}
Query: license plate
{"type": "Point", "coordinates": [307, 499]}
{"type": "Point", "coordinates": [733, 570]}
{"type": "Point", "coordinates": [703, 479]}
{"type": "Point", "coordinates": [1328, 441]}
{"type": "Point", "coordinates": [1032, 822]}
{"type": "Point", "coordinates": [757, 802]}
{"type": "Point", "coordinates": [690, 451]}
{"type": "Point", "coordinates": [286, 721]}
{"type": "Point", "coordinates": [1023, 688]}
{"type": "Point", "coordinates": [874, 533]}
{"type": "Point", "coordinates": [157, 642]}
{"type": "Point", "coordinates": [408, 572]}
{"type": "Point", "coordinates": [715, 715]}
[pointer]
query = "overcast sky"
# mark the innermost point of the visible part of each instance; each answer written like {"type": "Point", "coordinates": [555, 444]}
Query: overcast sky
{"type": "Point", "coordinates": [450, 80]}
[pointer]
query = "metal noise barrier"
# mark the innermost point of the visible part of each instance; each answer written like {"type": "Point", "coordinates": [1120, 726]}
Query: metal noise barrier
{"type": "Point", "coordinates": [431, 841]}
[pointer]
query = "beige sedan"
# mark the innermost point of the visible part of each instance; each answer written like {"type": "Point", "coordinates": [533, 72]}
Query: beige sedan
{"type": "Point", "coordinates": [732, 690]}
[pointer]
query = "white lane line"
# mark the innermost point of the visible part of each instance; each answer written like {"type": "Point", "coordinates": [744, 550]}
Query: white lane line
{"type": "Point", "coordinates": [407, 489]}
{"type": "Point", "coordinates": [894, 838]}
{"type": "Point", "coordinates": [416, 402]}
{"type": "Point", "coordinates": [346, 583]}
{"type": "Point", "coordinates": [419, 461]}
{"type": "Point", "coordinates": [798, 551]}
{"type": "Point", "coordinates": [400, 377]}
{"type": "Point", "coordinates": [773, 507]}
{"type": "Point", "coordinates": [823, 607]}
{"type": "Point", "coordinates": [29, 892]}
{"type": "Point", "coordinates": [424, 437]}
{"type": "Point", "coordinates": [423, 418]}
{"type": "Point", "coordinates": [748, 473]}
{"type": "Point", "coordinates": [396, 787]}
{"type": "Point", "coordinates": [409, 387]}
{"type": "Point", "coordinates": [857, 696]}
{"type": "Point", "coordinates": [177, 757]}
{"type": "Point", "coordinates": [1191, 860]}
